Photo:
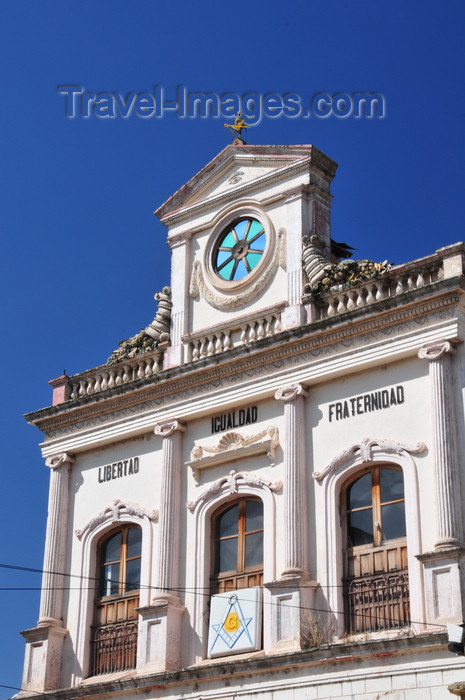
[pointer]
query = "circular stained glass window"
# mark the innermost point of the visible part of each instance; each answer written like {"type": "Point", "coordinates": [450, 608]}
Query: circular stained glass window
{"type": "Point", "coordinates": [239, 249]}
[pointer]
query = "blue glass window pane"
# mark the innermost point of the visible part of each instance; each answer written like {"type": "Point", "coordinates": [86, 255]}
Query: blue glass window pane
{"type": "Point", "coordinates": [254, 549]}
{"type": "Point", "coordinates": [227, 522]}
{"type": "Point", "coordinates": [241, 228]}
{"type": "Point", "coordinates": [361, 527]}
{"type": "Point", "coordinates": [254, 516]}
{"type": "Point", "coordinates": [393, 521]}
{"type": "Point", "coordinates": [255, 228]}
{"type": "Point", "coordinates": [222, 256]}
{"type": "Point", "coordinates": [253, 259]}
{"type": "Point", "coordinates": [111, 549]}
{"type": "Point", "coordinates": [109, 579]}
{"type": "Point", "coordinates": [134, 542]}
{"type": "Point", "coordinates": [359, 493]}
{"type": "Point", "coordinates": [241, 270]}
{"type": "Point", "coordinates": [228, 241]}
{"type": "Point", "coordinates": [245, 241]}
{"type": "Point", "coordinates": [258, 243]}
{"type": "Point", "coordinates": [226, 555]}
{"type": "Point", "coordinates": [133, 575]}
{"type": "Point", "coordinates": [392, 485]}
{"type": "Point", "coordinates": [226, 271]}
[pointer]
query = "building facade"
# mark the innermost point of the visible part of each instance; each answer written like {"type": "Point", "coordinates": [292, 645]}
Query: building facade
{"type": "Point", "coordinates": [260, 494]}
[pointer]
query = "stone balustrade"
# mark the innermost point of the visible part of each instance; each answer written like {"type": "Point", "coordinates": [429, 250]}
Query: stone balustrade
{"type": "Point", "coordinates": [398, 281]}
{"type": "Point", "coordinates": [222, 337]}
{"type": "Point", "coordinates": [109, 376]}
{"type": "Point", "coordinates": [446, 263]}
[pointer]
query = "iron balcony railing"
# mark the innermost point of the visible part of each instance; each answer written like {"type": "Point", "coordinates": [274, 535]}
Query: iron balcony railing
{"type": "Point", "coordinates": [114, 648]}
{"type": "Point", "coordinates": [377, 602]}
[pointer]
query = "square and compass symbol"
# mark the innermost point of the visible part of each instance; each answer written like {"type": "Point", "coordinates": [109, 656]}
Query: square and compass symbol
{"type": "Point", "coordinates": [235, 622]}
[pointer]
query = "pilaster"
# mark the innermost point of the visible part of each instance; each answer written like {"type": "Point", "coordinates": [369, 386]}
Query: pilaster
{"type": "Point", "coordinates": [43, 657]}
{"type": "Point", "coordinates": [292, 596]}
{"type": "Point", "coordinates": [293, 315]}
{"type": "Point", "coordinates": [449, 518]}
{"type": "Point", "coordinates": [51, 601]}
{"type": "Point", "coordinates": [167, 576]}
{"type": "Point", "coordinates": [292, 600]}
{"type": "Point", "coordinates": [444, 567]}
{"type": "Point", "coordinates": [161, 621]}
{"type": "Point", "coordinates": [44, 643]}
{"type": "Point", "coordinates": [180, 246]}
{"type": "Point", "coordinates": [295, 482]}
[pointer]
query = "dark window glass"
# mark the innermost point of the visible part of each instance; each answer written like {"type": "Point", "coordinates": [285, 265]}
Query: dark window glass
{"type": "Point", "coordinates": [133, 575]}
{"type": "Point", "coordinates": [254, 516]}
{"type": "Point", "coordinates": [111, 548]}
{"type": "Point", "coordinates": [361, 527]}
{"type": "Point", "coordinates": [227, 522]}
{"type": "Point", "coordinates": [392, 485]}
{"type": "Point", "coordinates": [238, 543]}
{"type": "Point", "coordinates": [359, 493]}
{"type": "Point", "coordinates": [134, 542]}
{"type": "Point", "coordinates": [227, 555]}
{"type": "Point", "coordinates": [253, 549]}
{"type": "Point", "coordinates": [393, 521]}
{"type": "Point", "coordinates": [109, 579]}
{"type": "Point", "coordinates": [375, 507]}
{"type": "Point", "coordinates": [120, 562]}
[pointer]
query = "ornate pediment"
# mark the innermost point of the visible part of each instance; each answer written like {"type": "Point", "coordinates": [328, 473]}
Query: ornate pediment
{"type": "Point", "coordinates": [367, 448]}
{"type": "Point", "coordinates": [239, 169]}
{"type": "Point", "coordinates": [233, 446]}
{"type": "Point", "coordinates": [113, 513]}
{"type": "Point", "coordinates": [229, 484]}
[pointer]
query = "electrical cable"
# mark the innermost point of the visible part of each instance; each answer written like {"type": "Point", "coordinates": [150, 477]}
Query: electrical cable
{"type": "Point", "coordinates": [195, 591]}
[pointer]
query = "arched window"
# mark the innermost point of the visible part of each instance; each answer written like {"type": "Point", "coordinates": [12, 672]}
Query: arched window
{"type": "Point", "coordinates": [114, 639]}
{"type": "Point", "coordinates": [237, 551]}
{"type": "Point", "coordinates": [376, 590]}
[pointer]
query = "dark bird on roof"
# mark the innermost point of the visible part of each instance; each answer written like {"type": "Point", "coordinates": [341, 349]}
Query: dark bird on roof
{"type": "Point", "coordinates": [341, 250]}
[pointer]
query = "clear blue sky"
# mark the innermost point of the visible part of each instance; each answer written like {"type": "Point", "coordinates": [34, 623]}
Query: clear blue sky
{"type": "Point", "coordinates": [82, 253]}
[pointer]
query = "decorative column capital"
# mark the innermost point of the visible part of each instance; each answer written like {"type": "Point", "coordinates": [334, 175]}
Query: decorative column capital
{"type": "Point", "coordinates": [167, 428]}
{"type": "Point", "coordinates": [290, 392]}
{"type": "Point", "coordinates": [58, 461]}
{"type": "Point", "coordinates": [436, 350]}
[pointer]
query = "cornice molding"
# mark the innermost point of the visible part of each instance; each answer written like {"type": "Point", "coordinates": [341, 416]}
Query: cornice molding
{"type": "Point", "coordinates": [283, 351]}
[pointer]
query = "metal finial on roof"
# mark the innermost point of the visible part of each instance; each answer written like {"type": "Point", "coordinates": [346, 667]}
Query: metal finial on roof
{"type": "Point", "coordinates": [237, 128]}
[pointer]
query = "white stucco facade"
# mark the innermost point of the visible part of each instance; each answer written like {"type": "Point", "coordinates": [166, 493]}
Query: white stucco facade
{"type": "Point", "coordinates": [275, 390]}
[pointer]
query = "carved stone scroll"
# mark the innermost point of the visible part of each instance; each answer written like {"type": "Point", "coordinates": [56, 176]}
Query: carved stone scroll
{"type": "Point", "coordinates": [113, 514]}
{"type": "Point", "coordinates": [365, 446]}
{"type": "Point", "coordinates": [233, 446]}
{"type": "Point", "coordinates": [230, 484]}
{"type": "Point", "coordinates": [198, 287]}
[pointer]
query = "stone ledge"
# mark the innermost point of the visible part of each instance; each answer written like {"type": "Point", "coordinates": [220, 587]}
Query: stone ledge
{"type": "Point", "coordinates": [338, 654]}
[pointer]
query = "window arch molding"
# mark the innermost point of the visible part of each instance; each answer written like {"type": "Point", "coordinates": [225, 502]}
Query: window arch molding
{"type": "Point", "coordinates": [111, 518]}
{"type": "Point", "coordinates": [220, 493]}
{"type": "Point", "coordinates": [344, 466]}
